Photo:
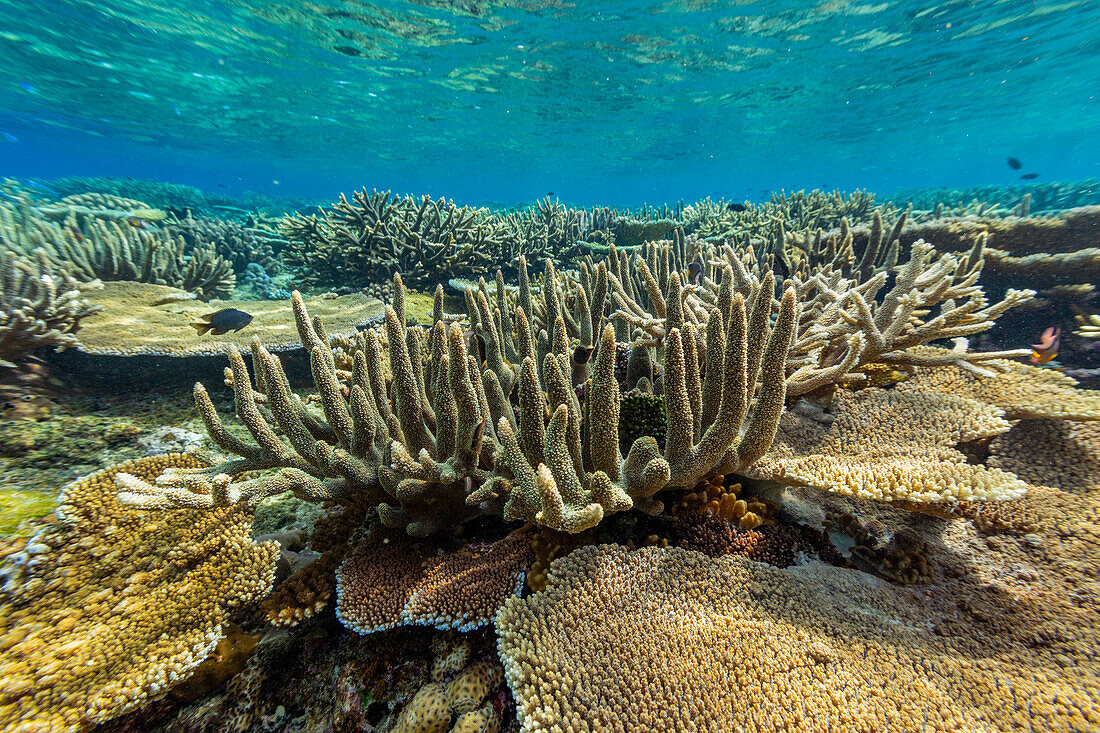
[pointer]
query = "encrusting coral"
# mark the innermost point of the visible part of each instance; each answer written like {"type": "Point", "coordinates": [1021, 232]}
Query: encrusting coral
{"type": "Point", "coordinates": [731, 645]}
{"type": "Point", "coordinates": [394, 584]}
{"type": "Point", "coordinates": [110, 606]}
{"type": "Point", "coordinates": [436, 703]}
{"type": "Point", "coordinates": [39, 306]}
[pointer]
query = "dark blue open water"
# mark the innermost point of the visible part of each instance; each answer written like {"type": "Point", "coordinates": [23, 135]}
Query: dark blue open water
{"type": "Point", "coordinates": [613, 102]}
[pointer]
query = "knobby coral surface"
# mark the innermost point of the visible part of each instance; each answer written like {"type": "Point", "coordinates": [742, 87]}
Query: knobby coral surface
{"type": "Point", "coordinates": [889, 445]}
{"type": "Point", "coordinates": [444, 443]}
{"type": "Point", "coordinates": [107, 608]}
{"type": "Point", "coordinates": [664, 639]}
{"type": "Point", "coordinates": [1023, 391]}
{"type": "Point", "coordinates": [390, 585]}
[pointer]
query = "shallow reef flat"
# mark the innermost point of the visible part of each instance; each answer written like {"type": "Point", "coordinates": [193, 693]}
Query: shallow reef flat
{"type": "Point", "coordinates": [751, 477]}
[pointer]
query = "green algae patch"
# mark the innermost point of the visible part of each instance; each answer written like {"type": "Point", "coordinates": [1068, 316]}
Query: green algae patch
{"type": "Point", "coordinates": [17, 507]}
{"type": "Point", "coordinates": [419, 307]}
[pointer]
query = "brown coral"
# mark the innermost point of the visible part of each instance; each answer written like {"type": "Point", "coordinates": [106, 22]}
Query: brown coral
{"type": "Point", "coordinates": [393, 584]}
{"type": "Point", "coordinates": [664, 639]}
{"type": "Point", "coordinates": [106, 609]}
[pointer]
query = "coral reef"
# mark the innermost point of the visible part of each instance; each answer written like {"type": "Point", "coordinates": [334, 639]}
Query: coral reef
{"type": "Point", "coordinates": [737, 641]}
{"type": "Point", "coordinates": [108, 607]}
{"type": "Point", "coordinates": [375, 236]}
{"type": "Point", "coordinates": [39, 306]}
{"type": "Point", "coordinates": [888, 445]}
{"type": "Point", "coordinates": [1023, 391]}
{"type": "Point", "coordinates": [435, 704]}
{"type": "Point", "coordinates": [428, 454]}
{"type": "Point", "coordinates": [238, 243]}
{"type": "Point", "coordinates": [855, 311]}
{"type": "Point", "coordinates": [1063, 454]}
{"type": "Point", "coordinates": [139, 318]}
{"type": "Point", "coordinates": [992, 201]}
{"type": "Point", "coordinates": [262, 284]}
{"type": "Point", "coordinates": [114, 244]}
{"type": "Point", "coordinates": [108, 251]}
{"type": "Point", "coordinates": [175, 197]}
{"type": "Point", "coordinates": [386, 585]}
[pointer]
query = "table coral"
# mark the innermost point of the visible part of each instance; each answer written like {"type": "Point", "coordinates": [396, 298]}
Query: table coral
{"type": "Point", "coordinates": [889, 445]}
{"type": "Point", "coordinates": [144, 319]}
{"type": "Point", "coordinates": [664, 639]}
{"type": "Point", "coordinates": [1023, 391]}
{"type": "Point", "coordinates": [107, 608]}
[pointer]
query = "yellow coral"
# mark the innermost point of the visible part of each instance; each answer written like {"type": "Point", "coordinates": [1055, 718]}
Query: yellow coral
{"type": "Point", "coordinates": [889, 445]}
{"type": "Point", "coordinates": [482, 720]}
{"type": "Point", "coordinates": [1023, 391]}
{"type": "Point", "coordinates": [112, 605]}
{"type": "Point", "coordinates": [664, 639]}
{"type": "Point", "coordinates": [427, 712]}
{"type": "Point", "coordinates": [468, 689]}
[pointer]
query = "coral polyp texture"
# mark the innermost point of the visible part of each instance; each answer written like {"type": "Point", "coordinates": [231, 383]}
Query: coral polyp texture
{"type": "Point", "coordinates": [396, 584]}
{"type": "Point", "coordinates": [107, 608]}
{"type": "Point", "coordinates": [40, 305]}
{"type": "Point", "coordinates": [1023, 391]}
{"type": "Point", "coordinates": [888, 445]}
{"type": "Point", "coordinates": [664, 639]}
{"type": "Point", "coordinates": [436, 703]}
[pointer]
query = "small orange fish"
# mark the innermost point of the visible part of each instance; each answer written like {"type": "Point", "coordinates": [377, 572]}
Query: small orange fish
{"type": "Point", "coordinates": [1047, 348]}
{"type": "Point", "coordinates": [137, 222]}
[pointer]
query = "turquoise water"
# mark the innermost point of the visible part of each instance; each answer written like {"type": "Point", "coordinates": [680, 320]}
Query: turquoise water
{"type": "Point", "coordinates": [613, 103]}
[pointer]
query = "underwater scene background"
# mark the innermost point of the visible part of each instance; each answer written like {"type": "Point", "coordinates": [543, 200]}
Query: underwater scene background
{"type": "Point", "coordinates": [608, 103]}
{"type": "Point", "coordinates": [415, 367]}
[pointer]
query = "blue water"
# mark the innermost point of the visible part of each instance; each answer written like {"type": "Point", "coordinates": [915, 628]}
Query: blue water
{"type": "Point", "coordinates": [611, 103]}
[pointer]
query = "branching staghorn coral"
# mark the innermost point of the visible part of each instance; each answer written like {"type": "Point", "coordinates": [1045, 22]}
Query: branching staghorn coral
{"type": "Point", "coordinates": [239, 243]}
{"type": "Point", "coordinates": [796, 211]}
{"type": "Point", "coordinates": [449, 441]}
{"type": "Point", "coordinates": [874, 315]}
{"type": "Point", "coordinates": [376, 235]}
{"type": "Point", "coordinates": [95, 248]}
{"type": "Point", "coordinates": [110, 251]}
{"type": "Point", "coordinates": [39, 306]}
